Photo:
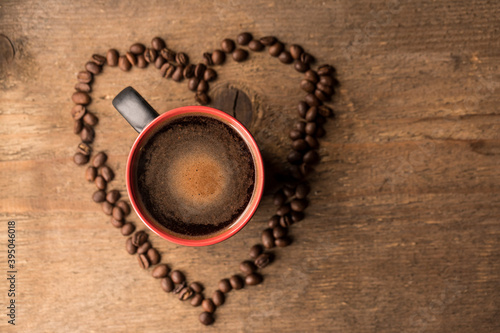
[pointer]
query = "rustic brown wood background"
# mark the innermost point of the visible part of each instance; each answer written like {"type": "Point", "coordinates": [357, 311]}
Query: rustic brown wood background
{"type": "Point", "coordinates": [403, 233]}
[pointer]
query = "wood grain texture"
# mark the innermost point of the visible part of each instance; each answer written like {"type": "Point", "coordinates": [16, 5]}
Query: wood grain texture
{"type": "Point", "coordinates": [403, 231]}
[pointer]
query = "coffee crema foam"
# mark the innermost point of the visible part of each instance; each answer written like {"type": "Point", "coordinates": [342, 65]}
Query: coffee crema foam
{"type": "Point", "coordinates": [195, 176]}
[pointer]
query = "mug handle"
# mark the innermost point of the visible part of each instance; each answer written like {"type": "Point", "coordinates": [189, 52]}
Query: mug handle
{"type": "Point", "coordinates": [134, 108]}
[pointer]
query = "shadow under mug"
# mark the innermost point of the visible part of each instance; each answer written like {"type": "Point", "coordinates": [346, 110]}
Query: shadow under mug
{"type": "Point", "coordinates": [145, 120]}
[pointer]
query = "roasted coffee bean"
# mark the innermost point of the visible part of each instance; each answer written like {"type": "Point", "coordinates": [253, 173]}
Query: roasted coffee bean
{"type": "Point", "coordinates": [306, 58]}
{"type": "Point", "coordinates": [300, 66]}
{"type": "Point", "coordinates": [225, 286]}
{"type": "Point", "coordinates": [116, 223]}
{"type": "Point", "coordinates": [312, 113]}
{"type": "Point", "coordinates": [80, 97]}
{"type": "Point", "coordinates": [300, 145]}
{"type": "Point", "coordinates": [279, 232]}
{"type": "Point", "coordinates": [167, 284]}
{"type": "Point", "coordinates": [106, 173]}
{"type": "Point", "coordinates": [236, 282]}
{"type": "Point", "coordinates": [227, 45]}
{"type": "Point", "coordinates": [276, 49]}
{"type": "Point", "coordinates": [177, 276]}
{"type": "Point", "coordinates": [326, 80]}
{"type": "Point", "coordinates": [93, 68]}
{"type": "Point", "coordinates": [209, 75]}
{"type": "Point", "coordinates": [132, 59]}
{"type": "Point", "coordinates": [306, 169]}
{"type": "Point", "coordinates": [321, 95]}
{"type": "Point", "coordinates": [141, 61]}
{"type": "Point", "coordinates": [90, 119]}
{"type": "Point", "coordinates": [255, 251]}
{"type": "Point", "coordinates": [99, 195]}
{"type": "Point", "coordinates": [295, 134]}
{"type": "Point", "coordinates": [320, 120]}
{"type": "Point", "coordinates": [90, 174]}
{"type": "Point", "coordinates": [297, 216]}
{"type": "Point", "coordinates": [196, 300]}
{"type": "Point", "coordinates": [99, 159]}
{"type": "Point", "coordinates": [84, 77]}
{"type": "Point", "coordinates": [164, 68]}
{"type": "Point", "coordinates": [253, 279]}
{"type": "Point", "coordinates": [168, 54]}
{"type": "Point", "coordinates": [307, 86]}
{"type": "Point", "coordinates": [78, 111]}
{"type": "Point", "coordinates": [154, 256]}
{"type": "Point", "coordinates": [127, 229]}
{"type": "Point", "coordinates": [311, 76]}
{"type": "Point", "coordinates": [295, 172]}
{"type": "Point", "coordinates": [289, 189]}
{"type": "Point", "coordinates": [85, 87]}
{"type": "Point", "coordinates": [131, 248]}
{"type": "Point", "coordinates": [255, 45]}
{"type": "Point", "coordinates": [279, 198]}
{"type": "Point", "coordinates": [80, 159]}
{"type": "Point", "coordinates": [118, 214]}
{"type": "Point", "coordinates": [268, 238]}
{"type": "Point", "coordinates": [285, 57]}
{"type": "Point", "coordinates": [286, 221]}
{"type": "Point", "coordinates": [283, 210]}
{"type": "Point", "coordinates": [207, 59]}
{"type": "Point", "coordinates": [244, 38]}
{"type": "Point", "coordinates": [302, 191]}
{"type": "Point", "coordinates": [170, 71]}
{"type": "Point", "coordinates": [150, 55]}
{"type": "Point", "coordinates": [144, 248]}
{"type": "Point", "coordinates": [188, 71]}
{"type": "Point", "coordinates": [326, 70]}
{"type": "Point", "coordinates": [124, 63]}
{"type": "Point", "coordinates": [107, 208]}
{"type": "Point", "coordinates": [218, 57]}
{"type": "Point", "coordinates": [263, 260]}
{"type": "Point", "coordinates": [294, 157]}
{"type": "Point", "coordinates": [178, 74]}
{"type": "Point", "coordinates": [124, 206]}
{"type": "Point", "coordinates": [160, 271]}
{"type": "Point", "coordinates": [143, 261]}
{"type": "Point", "coordinates": [311, 157]}
{"type": "Point", "coordinates": [300, 126]}
{"type": "Point", "coordinates": [320, 132]}
{"type": "Point", "coordinates": [311, 128]}
{"type": "Point", "coordinates": [179, 287]}
{"type": "Point", "coordinates": [202, 86]}
{"type": "Point", "coordinates": [302, 108]}
{"type": "Point", "coordinates": [199, 70]}
{"type": "Point", "coordinates": [157, 43]}
{"type": "Point", "coordinates": [182, 59]}
{"type": "Point", "coordinates": [77, 126]}
{"type": "Point", "coordinates": [139, 238]}
{"type": "Point", "coordinates": [208, 305]}
{"type": "Point", "coordinates": [206, 318]}
{"type": "Point", "coordinates": [268, 40]}
{"type": "Point", "coordinates": [218, 297]}
{"type": "Point", "coordinates": [193, 83]}
{"type": "Point", "coordinates": [113, 196]}
{"type": "Point", "coordinates": [274, 221]}
{"type": "Point", "coordinates": [296, 51]}
{"type": "Point", "coordinates": [328, 90]}
{"type": "Point", "coordinates": [247, 267]}
{"type": "Point", "coordinates": [185, 294]}
{"type": "Point", "coordinates": [283, 242]}
{"type": "Point", "coordinates": [202, 98]}
{"type": "Point", "coordinates": [196, 286]}
{"type": "Point", "coordinates": [159, 62]}
{"type": "Point", "coordinates": [112, 57]}
{"type": "Point", "coordinates": [99, 59]}
{"type": "Point", "coordinates": [240, 55]}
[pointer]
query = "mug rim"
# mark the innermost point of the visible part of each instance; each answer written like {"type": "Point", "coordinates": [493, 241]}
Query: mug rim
{"type": "Point", "coordinates": [259, 181]}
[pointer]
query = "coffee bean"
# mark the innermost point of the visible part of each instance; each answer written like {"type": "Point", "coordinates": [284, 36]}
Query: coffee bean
{"type": "Point", "coordinates": [99, 196]}
{"type": "Point", "coordinates": [276, 49]}
{"type": "Point", "coordinates": [209, 75]}
{"type": "Point", "coordinates": [159, 62]}
{"type": "Point", "coordinates": [112, 57]}
{"type": "Point", "coordinates": [143, 261]}
{"type": "Point", "coordinates": [253, 279]}
{"type": "Point", "coordinates": [206, 318]}
{"type": "Point", "coordinates": [283, 242]}
{"type": "Point", "coordinates": [137, 48]}
{"type": "Point", "coordinates": [90, 174]}
{"type": "Point", "coordinates": [132, 59]}
{"type": "Point", "coordinates": [157, 43]}
{"type": "Point", "coordinates": [321, 95]}
{"type": "Point", "coordinates": [124, 206]}
{"type": "Point", "coordinates": [107, 208]}
{"type": "Point", "coordinates": [302, 108]}
{"type": "Point", "coordinates": [177, 276]}
{"type": "Point", "coordinates": [273, 221]}
{"type": "Point", "coordinates": [218, 297]}
{"type": "Point", "coordinates": [199, 70]}
{"type": "Point", "coordinates": [113, 196]}
{"type": "Point", "coordinates": [310, 128]}
{"type": "Point", "coordinates": [160, 271]}
{"type": "Point", "coordinates": [196, 286]}
{"type": "Point", "coordinates": [196, 300]}
{"type": "Point", "coordinates": [312, 76]}
{"type": "Point", "coordinates": [80, 159]}
{"type": "Point", "coordinates": [307, 86]}
{"type": "Point", "coordinates": [306, 58]}
{"type": "Point", "coordinates": [154, 256]}
{"type": "Point", "coordinates": [297, 216]}
{"type": "Point", "coordinates": [124, 63]}
{"type": "Point", "coordinates": [84, 77]}
{"type": "Point", "coordinates": [286, 221]}
{"type": "Point", "coordinates": [99, 159]}
{"type": "Point", "coordinates": [178, 75]}
{"type": "Point", "coordinates": [289, 189]}
{"type": "Point", "coordinates": [85, 150]}
{"type": "Point", "coordinates": [279, 198]}
{"type": "Point", "coordinates": [170, 71]}
{"type": "Point", "coordinates": [283, 210]}
{"type": "Point", "coordinates": [164, 68]}
{"type": "Point", "coordinates": [90, 119]}
{"type": "Point", "coordinates": [326, 70]}
{"type": "Point", "coordinates": [208, 305]}
{"type": "Point", "coordinates": [255, 251]}
{"type": "Point", "coordinates": [294, 157]}
{"type": "Point", "coordinates": [320, 132]}
{"type": "Point", "coordinates": [306, 169]}
{"type": "Point", "coordinates": [150, 55]}
{"type": "Point", "coordinates": [300, 66]}
{"type": "Point", "coordinates": [320, 120]}
{"type": "Point", "coordinates": [188, 71]}
{"type": "Point", "coordinates": [247, 267]}
{"type": "Point", "coordinates": [302, 191]}
{"type": "Point", "coordinates": [295, 134]}
{"type": "Point", "coordinates": [106, 173]}
{"type": "Point", "coordinates": [227, 45]}
{"type": "Point", "coordinates": [255, 45]}
{"type": "Point", "coordinates": [300, 126]}
{"type": "Point", "coordinates": [141, 61]}
{"type": "Point", "coordinates": [202, 98]}
{"type": "Point", "coordinates": [127, 229]}
{"type": "Point", "coordinates": [279, 232]}
{"type": "Point", "coordinates": [93, 68]}
{"type": "Point", "coordinates": [328, 90]}
{"type": "Point", "coordinates": [144, 248]}
{"type": "Point", "coordinates": [326, 80]}
{"type": "Point", "coordinates": [167, 284]}
{"type": "Point", "coordinates": [311, 114]}
{"type": "Point", "coordinates": [268, 40]}
{"type": "Point", "coordinates": [311, 157]}
{"type": "Point", "coordinates": [178, 288]}
{"type": "Point", "coordinates": [285, 57]}
{"type": "Point", "coordinates": [99, 59]}
{"type": "Point", "coordinates": [218, 57]}
{"type": "Point", "coordinates": [236, 282]}
{"type": "Point", "coordinates": [207, 59]}
{"type": "Point", "coordinates": [296, 51]}
{"type": "Point", "coordinates": [240, 55]}
{"type": "Point", "coordinates": [300, 145]}
{"type": "Point", "coordinates": [225, 286]}
{"type": "Point", "coordinates": [295, 172]}
{"type": "Point", "coordinates": [244, 38]}
{"type": "Point", "coordinates": [116, 223]}
{"type": "Point", "coordinates": [78, 126]}
{"type": "Point", "coordinates": [268, 238]}
{"type": "Point", "coordinates": [263, 260]}
{"type": "Point", "coordinates": [193, 83]}
{"type": "Point", "coordinates": [78, 111]}
{"type": "Point", "coordinates": [80, 97]}
{"type": "Point", "coordinates": [85, 87]}
{"type": "Point", "coordinates": [182, 59]}
{"type": "Point", "coordinates": [139, 238]}
{"type": "Point", "coordinates": [202, 86]}
{"type": "Point", "coordinates": [131, 248]}
{"type": "Point", "coordinates": [185, 294]}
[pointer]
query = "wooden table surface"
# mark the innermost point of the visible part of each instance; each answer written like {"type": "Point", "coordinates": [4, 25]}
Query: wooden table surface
{"type": "Point", "coordinates": [403, 231]}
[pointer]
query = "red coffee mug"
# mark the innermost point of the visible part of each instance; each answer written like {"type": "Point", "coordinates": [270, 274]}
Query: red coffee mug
{"type": "Point", "coordinates": [144, 119]}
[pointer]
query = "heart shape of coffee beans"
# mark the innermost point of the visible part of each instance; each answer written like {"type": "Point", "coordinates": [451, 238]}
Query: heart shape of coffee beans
{"type": "Point", "coordinates": [290, 200]}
